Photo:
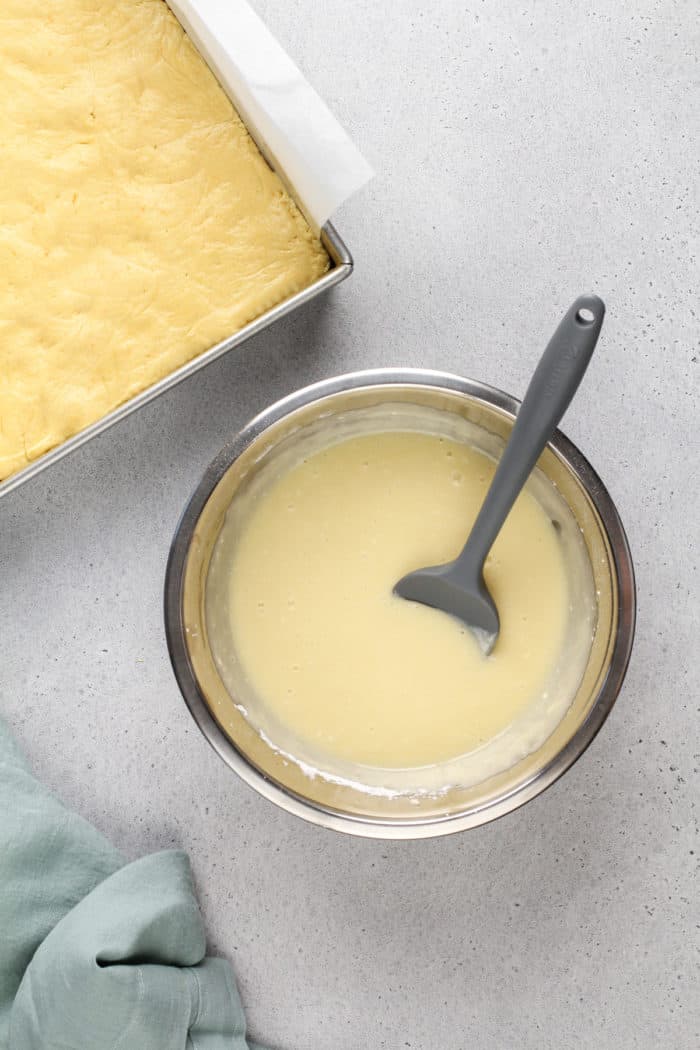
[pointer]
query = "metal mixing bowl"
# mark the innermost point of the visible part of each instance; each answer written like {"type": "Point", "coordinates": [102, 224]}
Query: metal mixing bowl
{"type": "Point", "coordinates": [343, 807]}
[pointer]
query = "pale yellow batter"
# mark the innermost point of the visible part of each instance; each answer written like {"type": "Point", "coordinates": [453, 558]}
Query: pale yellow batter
{"type": "Point", "coordinates": [340, 663]}
{"type": "Point", "coordinates": [139, 224]}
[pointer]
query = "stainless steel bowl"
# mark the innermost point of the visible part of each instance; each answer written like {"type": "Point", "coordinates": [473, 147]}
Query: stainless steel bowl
{"type": "Point", "coordinates": [339, 806]}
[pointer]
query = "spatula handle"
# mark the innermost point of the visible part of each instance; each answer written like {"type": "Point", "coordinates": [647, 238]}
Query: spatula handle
{"type": "Point", "coordinates": [548, 396]}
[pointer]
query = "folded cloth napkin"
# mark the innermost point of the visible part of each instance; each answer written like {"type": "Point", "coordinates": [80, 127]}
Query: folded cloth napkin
{"type": "Point", "coordinates": [95, 953]}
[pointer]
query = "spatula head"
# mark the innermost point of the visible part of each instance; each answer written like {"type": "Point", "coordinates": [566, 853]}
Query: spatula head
{"type": "Point", "coordinates": [440, 588]}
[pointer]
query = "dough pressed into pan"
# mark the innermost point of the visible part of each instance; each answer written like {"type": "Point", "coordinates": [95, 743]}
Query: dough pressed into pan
{"type": "Point", "coordinates": [139, 223]}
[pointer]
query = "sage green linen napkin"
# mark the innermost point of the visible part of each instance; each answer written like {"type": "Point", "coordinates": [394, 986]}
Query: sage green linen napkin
{"type": "Point", "coordinates": [95, 953]}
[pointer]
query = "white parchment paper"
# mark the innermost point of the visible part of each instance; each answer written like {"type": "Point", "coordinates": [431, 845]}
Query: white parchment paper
{"type": "Point", "coordinates": [292, 125]}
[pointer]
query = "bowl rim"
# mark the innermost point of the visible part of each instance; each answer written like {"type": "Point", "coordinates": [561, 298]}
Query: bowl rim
{"type": "Point", "coordinates": [355, 824]}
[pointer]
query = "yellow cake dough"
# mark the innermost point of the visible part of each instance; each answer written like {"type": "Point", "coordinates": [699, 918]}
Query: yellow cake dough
{"type": "Point", "coordinates": [139, 224]}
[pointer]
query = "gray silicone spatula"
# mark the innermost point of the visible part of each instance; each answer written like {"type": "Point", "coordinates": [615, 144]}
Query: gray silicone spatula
{"type": "Point", "coordinates": [458, 587]}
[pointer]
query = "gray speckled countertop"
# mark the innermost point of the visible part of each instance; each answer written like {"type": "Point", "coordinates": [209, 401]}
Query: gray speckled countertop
{"type": "Point", "coordinates": [525, 153]}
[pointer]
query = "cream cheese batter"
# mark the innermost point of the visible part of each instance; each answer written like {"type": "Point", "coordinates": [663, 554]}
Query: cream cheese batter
{"type": "Point", "coordinates": [343, 668]}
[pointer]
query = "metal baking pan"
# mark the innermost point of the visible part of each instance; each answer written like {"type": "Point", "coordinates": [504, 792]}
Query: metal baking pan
{"type": "Point", "coordinates": [341, 267]}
